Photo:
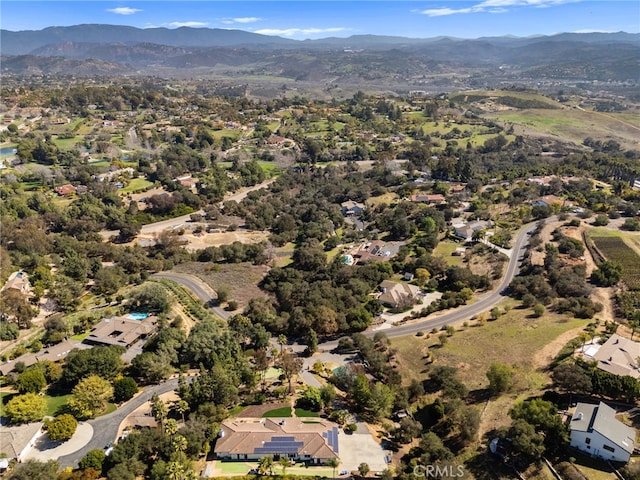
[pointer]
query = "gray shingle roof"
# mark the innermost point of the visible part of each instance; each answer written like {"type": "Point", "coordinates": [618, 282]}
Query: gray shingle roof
{"type": "Point", "coordinates": [601, 418]}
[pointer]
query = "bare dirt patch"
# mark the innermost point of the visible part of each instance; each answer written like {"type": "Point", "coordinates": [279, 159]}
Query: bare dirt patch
{"type": "Point", "coordinates": [256, 411]}
{"type": "Point", "coordinates": [203, 240]}
{"type": "Point", "coordinates": [241, 279]}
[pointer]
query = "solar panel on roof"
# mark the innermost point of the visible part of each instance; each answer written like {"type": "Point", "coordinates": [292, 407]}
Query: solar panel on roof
{"type": "Point", "coordinates": [283, 439]}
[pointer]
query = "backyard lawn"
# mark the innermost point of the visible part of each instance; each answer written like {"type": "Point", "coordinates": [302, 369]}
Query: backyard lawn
{"type": "Point", "coordinates": [283, 412]}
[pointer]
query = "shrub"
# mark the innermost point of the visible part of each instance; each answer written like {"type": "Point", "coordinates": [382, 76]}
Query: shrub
{"type": "Point", "coordinates": [62, 427]}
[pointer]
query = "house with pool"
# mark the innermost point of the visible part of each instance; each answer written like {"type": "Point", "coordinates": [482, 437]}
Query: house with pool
{"type": "Point", "coordinates": [123, 331]}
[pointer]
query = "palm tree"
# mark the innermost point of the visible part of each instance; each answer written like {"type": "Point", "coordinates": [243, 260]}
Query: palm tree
{"type": "Point", "coordinates": [175, 471]}
{"type": "Point", "coordinates": [265, 465]}
{"type": "Point", "coordinates": [282, 340]}
{"type": "Point", "coordinates": [171, 427]}
{"type": "Point", "coordinates": [158, 410]}
{"type": "Point", "coordinates": [181, 407]}
{"type": "Point", "coordinates": [179, 443]}
{"type": "Point", "coordinates": [284, 463]}
{"type": "Point", "coordinates": [333, 463]}
{"type": "Point", "coordinates": [634, 324]}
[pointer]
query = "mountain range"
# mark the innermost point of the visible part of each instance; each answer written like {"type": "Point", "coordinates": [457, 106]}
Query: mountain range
{"type": "Point", "coordinates": [89, 50]}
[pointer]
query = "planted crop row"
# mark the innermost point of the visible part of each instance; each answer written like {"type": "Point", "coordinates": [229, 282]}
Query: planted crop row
{"type": "Point", "coordinates": [616, 250]}
{"type": "Point", "coordinates": [191, 306]}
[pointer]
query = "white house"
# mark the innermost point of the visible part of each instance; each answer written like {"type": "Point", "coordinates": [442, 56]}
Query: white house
{"type": "Point", "coordinates": [596, 432]}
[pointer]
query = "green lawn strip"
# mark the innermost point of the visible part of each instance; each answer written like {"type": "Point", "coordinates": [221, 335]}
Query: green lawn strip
{"type": "Point", "coordinates": [111, 407]}
{"type": "Point", "coordinates": [56, 404]}
{"type": "Point", "coordinates": [80, 337]}
{"type": "Point", "coordinates": [273, 372]}
{"type": "Point", "coordinates": [283, 412]}
{"type": "Point", "coordinates": [269, 167]}
{"type": "Point", "coordinates": [236, 410]}
{"type": "Point", "coordinates": [301, 412]}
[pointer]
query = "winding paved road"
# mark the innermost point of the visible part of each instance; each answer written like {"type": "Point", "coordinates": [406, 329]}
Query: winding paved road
{"type": "Point", "coordinates": [200, 289]}
{"type": "Point", "coordinates": [482, 304]}
{"type": "Point", "coordinates": [105, 428]}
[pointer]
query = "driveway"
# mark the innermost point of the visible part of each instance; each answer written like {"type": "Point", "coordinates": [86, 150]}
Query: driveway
{"type": "Point", "coordinates": [105, 428]}
{"type": "Point", "coordinates": [360, 447]}
{"type": "Point", "coordinates": [45, 449]}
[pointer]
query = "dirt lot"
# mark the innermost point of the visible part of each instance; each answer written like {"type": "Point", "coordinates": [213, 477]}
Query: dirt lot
{"type": "Point", "coordinates": [240, 278]}
{"type": "Point", "coordinates": [256, 411]}
{"type": "Point", "coordinates": [203, 240]}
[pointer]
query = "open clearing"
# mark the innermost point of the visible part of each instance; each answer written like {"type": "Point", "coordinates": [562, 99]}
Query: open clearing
{"type": "Point", "coordinates": [514, 336]}
{"type": "Point", "coordinates": [240, 278]}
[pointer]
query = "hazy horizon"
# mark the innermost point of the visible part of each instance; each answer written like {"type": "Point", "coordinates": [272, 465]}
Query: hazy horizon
{"type": "Point", "coordinates": [300, 20]}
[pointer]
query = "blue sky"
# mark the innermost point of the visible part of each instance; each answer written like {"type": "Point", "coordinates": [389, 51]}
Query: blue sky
{"type": "Point", "coordinates": [312, 19]}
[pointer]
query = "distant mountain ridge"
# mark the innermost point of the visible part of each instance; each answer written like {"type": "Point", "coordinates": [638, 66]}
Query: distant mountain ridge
{"type": "Point", "coordinates": [85, 50]}
{"type": "Point", "coordinates": [26, 42]}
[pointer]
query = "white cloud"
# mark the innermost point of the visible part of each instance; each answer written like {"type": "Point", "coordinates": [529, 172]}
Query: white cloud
{"type": "Point", "coordinates": [231, 21]}
{"type": "Point", "coordinates": [291, 32]}
{"type": "Point", "coordinates": [124, 10]}
{"type": "Point", "coordinates": [493, 6]}
{"type": "Point", "coordinates": [187, 24]}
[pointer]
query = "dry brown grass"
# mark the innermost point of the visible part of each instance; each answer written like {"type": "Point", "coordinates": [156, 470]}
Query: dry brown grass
{"type": "Point", "coordinates": [241, 279]}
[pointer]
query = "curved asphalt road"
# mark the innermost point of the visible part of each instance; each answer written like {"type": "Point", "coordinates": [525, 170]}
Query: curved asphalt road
{"type": "Point", "coordinates": [105, 428]}
{"type": "Point", "coordinates": [200, 289]}
{"type": "Point", "coordinates": [484, 303]}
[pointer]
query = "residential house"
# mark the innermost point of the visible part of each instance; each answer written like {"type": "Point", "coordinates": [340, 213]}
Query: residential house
{"type": "Point", "coordinates": [123, 331]}
{"type": "Point", "coordinates": [65, 190]}
{"type": "Point", "coordinates": [186, 181]}
{"type": "Point", "coordinates": [294, 438]}
{"type": "Point", "coordinates": [53, 353]}
{"type": "Point", "coordinates": [465, 230]}
{"type": "Point", "coordinates": [398, 295]}
{"type": "Point", "coordinates": [16, 441]}
{"type": "Point", "coordinates": [352, 209]}
{"type": "Point", "coordinates": [18, 281]}
{"type": "Point", "coordinates": [618, 355]}
{"type": "Point", "coordinates": [550, 201]}
{"type": "Point", "coordinates": [429, 199]}
{"type": "Point", "coordinates": [375, 251]}
{"type": "Point", "coordinates": [595, 431]}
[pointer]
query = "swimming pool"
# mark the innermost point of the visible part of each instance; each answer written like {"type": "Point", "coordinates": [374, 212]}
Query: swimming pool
{"type": "Point", "coordinates": [137, 316]}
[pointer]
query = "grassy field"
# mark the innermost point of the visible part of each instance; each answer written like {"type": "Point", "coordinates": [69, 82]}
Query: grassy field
{"type": "Point", "coordinates": [242, 467]}
{"type": "Point", "coordinates": [445, 250]}
{"type": "Point", "coordinates": [514, 336]}
{"type": "Point", "coordinates": [56, 404]}
{"type": "Point", "coordinates": [67, 143]}
{"type": "Point", "coordinates": [137, 184]}
{"type": "Point", "coordinates": [573, 124]}
{"type": "Point", "coordinates": [301, 412]}
{"type": "Point", "coordinates": [241, 279]}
